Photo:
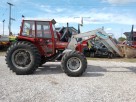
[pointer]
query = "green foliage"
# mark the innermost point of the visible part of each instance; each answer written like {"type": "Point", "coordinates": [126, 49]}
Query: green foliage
{"type": "Point", "coordinates": [121, 39]}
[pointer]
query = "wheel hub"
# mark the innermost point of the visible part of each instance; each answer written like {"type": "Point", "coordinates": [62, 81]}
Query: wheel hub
{"type": "Point", "coordinates": [74, 64]}
{"type": "Point", "coordinates": [21, 58]}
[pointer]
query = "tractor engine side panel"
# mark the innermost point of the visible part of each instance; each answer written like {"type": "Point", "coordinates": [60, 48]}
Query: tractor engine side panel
{"type": "Point", "coordinates": [61, 45]}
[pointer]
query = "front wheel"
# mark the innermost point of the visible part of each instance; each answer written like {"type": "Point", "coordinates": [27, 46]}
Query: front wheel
{"type": "Point", "coordinates": [74, 63]}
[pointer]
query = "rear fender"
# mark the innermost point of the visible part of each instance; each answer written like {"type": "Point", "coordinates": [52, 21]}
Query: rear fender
{"type": "Point", "coordinates": [41, 50]}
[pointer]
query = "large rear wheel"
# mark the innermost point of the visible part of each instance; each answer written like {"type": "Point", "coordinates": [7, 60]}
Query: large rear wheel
{"type": "Point", "coordinates": [74, 63]}
{"type": "Point", "coordinates": [23, 58]}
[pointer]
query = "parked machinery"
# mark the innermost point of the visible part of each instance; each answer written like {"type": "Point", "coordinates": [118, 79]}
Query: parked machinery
{"type": "Point", "coordinates": [97, 49]}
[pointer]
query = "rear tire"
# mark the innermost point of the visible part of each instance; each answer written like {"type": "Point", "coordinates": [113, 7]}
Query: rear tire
{"type": "Point", "coordinates": [74, 63]}
{"type": "Point", "coordinates": [23, 58]}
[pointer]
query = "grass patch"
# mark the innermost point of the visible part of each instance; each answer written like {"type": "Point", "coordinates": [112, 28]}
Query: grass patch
{"type": "Point", "coordinates": [133, 60]}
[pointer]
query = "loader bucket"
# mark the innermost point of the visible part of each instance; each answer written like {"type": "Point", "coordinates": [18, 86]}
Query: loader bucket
{"type": "Point", "coordinates": [128, 51]}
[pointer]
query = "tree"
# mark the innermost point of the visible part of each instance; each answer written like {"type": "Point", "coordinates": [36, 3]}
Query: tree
{"type": "Point", "coordinates": [121, 39]}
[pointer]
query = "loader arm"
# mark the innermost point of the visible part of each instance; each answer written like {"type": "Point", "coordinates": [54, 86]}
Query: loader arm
{"type": "Point", "coordinates": [101, 35]}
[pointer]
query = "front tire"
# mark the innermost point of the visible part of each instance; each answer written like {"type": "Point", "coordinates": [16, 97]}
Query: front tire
{"type": "Point", "coordinates": [23, 58]}
{"type": "Point", "coordinates": [74, 63]}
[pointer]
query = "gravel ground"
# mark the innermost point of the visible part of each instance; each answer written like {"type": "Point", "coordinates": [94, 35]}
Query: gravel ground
{"type": "Point", "coordinates": [103, 81]}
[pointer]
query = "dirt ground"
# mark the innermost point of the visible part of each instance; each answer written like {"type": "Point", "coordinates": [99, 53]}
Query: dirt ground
{"type": "Point", "coordinates": [2, 53]}
{"type": "Point", "coordinates": [103, 81]}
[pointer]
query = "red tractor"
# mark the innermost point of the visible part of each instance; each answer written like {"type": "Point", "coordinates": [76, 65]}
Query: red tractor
{"type": "Point", "coordinates": [38, 43]}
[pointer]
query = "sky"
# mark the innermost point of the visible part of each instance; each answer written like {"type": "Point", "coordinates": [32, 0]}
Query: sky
{"type": "Point", "coordinates": [117, 16]}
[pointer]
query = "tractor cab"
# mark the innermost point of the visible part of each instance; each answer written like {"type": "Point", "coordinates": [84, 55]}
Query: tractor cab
{"type": "Point", "coordinates": [41, 33]}
{"type": "Point", "coordinates": [37, 28]}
